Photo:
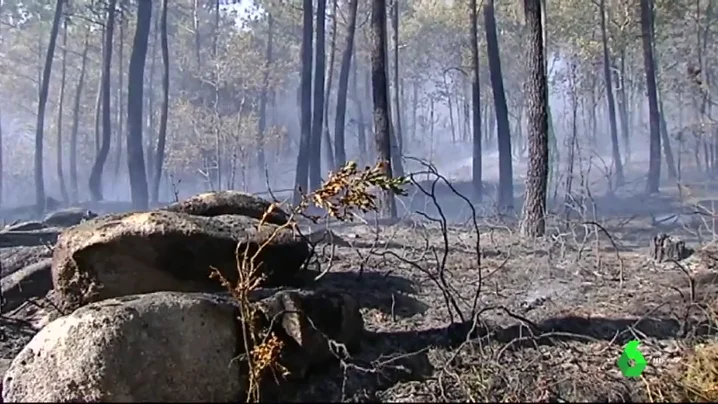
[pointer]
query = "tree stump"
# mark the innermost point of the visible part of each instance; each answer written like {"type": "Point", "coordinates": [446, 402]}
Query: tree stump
{"type": "Point", "coordinates": [666, 248]}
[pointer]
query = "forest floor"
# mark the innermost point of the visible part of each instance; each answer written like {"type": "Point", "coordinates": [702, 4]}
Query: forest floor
{"type": "Point", "coordinates": [546, 320]}
{"type": "Point", "coordinates": [456, 310]}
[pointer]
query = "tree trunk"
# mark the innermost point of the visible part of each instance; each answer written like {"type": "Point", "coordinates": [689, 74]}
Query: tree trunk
{"type": "Point", "coordinates": [76, 120]}
{"type": "Point", "coordinates": [302, 170]}
{"type": "Point", "coordinates": [261, 159]}
{"type": "Point", "coordinates": [397, 86]}
{"type": "Point", "coordinates": [506, 185]}
{"type": "Point", "coordinates": [1, 159]}
{"type": "Point", "coordinates": [315, 155]}
{"type": "Point", "coordinates": [42, 102]}
{"type": "Point", "coordinates": [150, 88]}
{"type": "Point", "coordinates": [328, 89]}
{"type": "Point", "coordinates": [476, 102]}
{"type": "Point", "coordinates": [162, 136]}
{"type": "Point", "coordinates": [60, 105]}
{"type": "Point", "coordinates": [617, 162]}
{"type": "Point", "coordinates": [361, 121]}
{"type": "Point", "coordinates": [98, 105]}
{"type": "Point", "coordinates": [533, 221]}
{"type": "Point", "coordinates": [195, 28]}
{"type": "Point", "coordinates": [2, 4]}
{"type": "Point", "coordinates": [95, 183]}
{"type": "Point", "coordinates": [622, 99]}
{"type": "Point", "coordinates": [381, 99]}
{"type": "Point", "coordinates": [654, 165]}
{"type": "Point", "coordinates": [120, 104]}
{"type": "Point", "coordinates": [339, 144]}
{"type": "Point", "coordinates": [135, 154]}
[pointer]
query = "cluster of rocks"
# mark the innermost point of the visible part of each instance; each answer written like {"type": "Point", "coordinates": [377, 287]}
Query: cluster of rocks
{"type": "Point", "coordinates": [142, 320]}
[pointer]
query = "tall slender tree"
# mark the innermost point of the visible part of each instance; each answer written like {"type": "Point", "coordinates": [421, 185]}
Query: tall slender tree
{"type": "Point", "coordinates": [162, 136]}
{"type": "Point", "coordinates": [617, 162]}
{"type": "Point", "coordinates": [135, 153]}
{"type": "Point", "coordinates": [381, 99]}
{"type": "Point", "coordinates": [76, 110]}
{"type": "Point", "coordinates": [654, 163]}
{"type": "Point", "coordinates": [60, 114]}
{"type": "Point", "coordinates": [264, 98]}
{"type": "Point", "coordinates": [42, 103]}
{"type": "Point", "coordinates": [533, 222]}
{"type": "Point", "coordinates": [305, 104]}
{"type": "Point", "coordinates": [476, 101]}
{"type": "Point", "coordinates": [506, 185]}
{"type": "Point", "coordinates": [315, 159]}
{"type": "Point", "coordinates": [340, 154]}
{"type": "Point", "coordinates": [95, 182]}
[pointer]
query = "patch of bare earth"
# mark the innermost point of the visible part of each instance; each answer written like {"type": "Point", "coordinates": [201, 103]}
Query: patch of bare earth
{"type": "Point", "coordinates": [539, 321]}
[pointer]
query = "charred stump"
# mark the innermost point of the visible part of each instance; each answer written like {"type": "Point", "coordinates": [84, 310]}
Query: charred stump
{"type": "Point", "coordinates": [667, 248]}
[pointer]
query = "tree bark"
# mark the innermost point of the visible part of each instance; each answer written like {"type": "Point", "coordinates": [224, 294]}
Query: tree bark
{"type": "Point", "coordinates": [150, 114]}
{"type": "Point", "coordinates": [76, 120]}
{"type": "Point", "coordinates": [476, 162]}
{"type": "Point", "coordinates": [329, 150]}
{"type": "Point", "coordinates": [654, 164]}
{"type": "Point", "coordinates": [135, 90]}
{"type": "Point", "coordinates": [42, 102]}
{"type": "Point", "coordinates": [261, 159]}
{"type": "Point", "coordinates": [381, 99]}
{"type": "Point", "coordinates": [533, 221]}
{"type": "Point", "coordinates": [302, 169]}
{"type": "Point", "coordinates": [340, 153]}
{"type": "Point", "coordinates": [506, 185]}
{"type": "Point", "coordinates": [361, 122]}
{"type": "Point", "coordinates": [162, 136]}
{"type": "Point", "coordinates": [95, 182]}
{"type": "Point", "coordinates": [120, 92]}
{"type": "Point", "coordinates": [315, 156]}
{"type": "Point", "coordinates": [617, 162]}
{"type": "Point", "coordinates": [397, 86]}
{"type": "Point", "coordinates": [60, 105]}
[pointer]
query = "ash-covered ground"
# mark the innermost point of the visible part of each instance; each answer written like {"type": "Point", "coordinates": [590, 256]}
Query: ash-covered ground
{"type": "Point", "coordinates": [457, 309]}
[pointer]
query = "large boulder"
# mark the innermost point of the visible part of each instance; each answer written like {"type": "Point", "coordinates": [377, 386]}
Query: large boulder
{"type": "Point", "coordinates": [133, 253]}
{"type": "Point", "coordinates": [229, 203]}
{"type": "Point", "coordinates": [170, 347]}
{"type": "Point", "coordinates": [156, 347]}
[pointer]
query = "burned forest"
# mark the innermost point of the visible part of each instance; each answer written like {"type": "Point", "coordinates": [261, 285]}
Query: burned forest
{"type": "Point", "coordinates": [358, 201]}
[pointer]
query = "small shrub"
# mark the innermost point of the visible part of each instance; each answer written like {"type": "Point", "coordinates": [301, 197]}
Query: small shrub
{"type": "Point", "coordinates": [340, 196]}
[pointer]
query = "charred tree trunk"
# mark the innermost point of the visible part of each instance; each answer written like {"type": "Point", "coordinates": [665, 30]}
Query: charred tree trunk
{"type": "Point", "coordinates": [654, 165]}
{"type": "Point", "coordinates": [42, 102]}
{"type": "Point", "coordinates": [135, 154]}
{"type": "Point", "coordinates": [302, 171]}
{"type": "Point", "coordinates": [261, 159]}
{"type": "Point", "coordinates": [119, 124]}
{"type": "Point", "coordinates": [315, 155]}
{"type": "Point", "coordinates": [339, 144]}
{"type": "Point", "coordinates": [533, 221]}
{"type": "Point", "coordinates": [150, 88]}
{"type": "Point", "coordinates": [95, 182]}
{"type": "Point", "coordinates": [617, 162]}
{"type": "Point", "coordinates": [60, 105]}
{"type": "Point", "coordinates": [329, 149]}
{"type": "Point", "coordinates": [380, 97]}
{"type": "Point", "coordinates": [399, 133]}
{"type": "Point", "coordinates": [476, 102]}
{"type": "Point", "coordinates": [76, 120]}
{"type": "Point", "coordinates": [506, 185]}
{"type": "Point", "coordinates": [162, 136]}
{"type": "Point", "coordinates": [361, 121]}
